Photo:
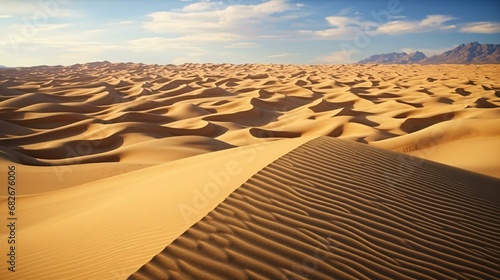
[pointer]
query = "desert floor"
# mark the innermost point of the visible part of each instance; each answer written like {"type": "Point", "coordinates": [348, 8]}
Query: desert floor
{"type": "Point", "coordinates": [204, 171]}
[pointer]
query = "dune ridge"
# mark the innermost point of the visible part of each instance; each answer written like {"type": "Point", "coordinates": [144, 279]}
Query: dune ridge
{"type": "Point", "coordinates": [330, 209]}
{"type": "Point", "coordinates": [106, 225]}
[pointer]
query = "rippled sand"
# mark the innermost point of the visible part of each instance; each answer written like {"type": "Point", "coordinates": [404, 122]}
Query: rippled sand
{"type": "Point", "coordinates": [116, 161]}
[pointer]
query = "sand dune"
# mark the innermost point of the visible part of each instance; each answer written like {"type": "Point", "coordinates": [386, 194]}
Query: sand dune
{"type": "Point", "coordinates": [330, 210]}
{"type": "Point", "coordinates": [108, 227]}
{"type": "Point", "coordinates": [107, 152]}
{"type": "Point", "coordinates": [466, 143]}
{"type": "Point", "coordinates": [94, 113]}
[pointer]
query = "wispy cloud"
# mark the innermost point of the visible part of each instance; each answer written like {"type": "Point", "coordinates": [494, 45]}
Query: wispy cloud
{"type": "Point", "coordinates": [242, 45]}
{"type": "Point", "coordinates": [484, 27]}
{"type": "Point", "coordinates": [281, 55]}
{"type": "Point", "coordinates": [201, 6]}
{"type": "Point", "coordinates": [346, 11]}
{"type": "Point", "coordinates": [5, 16]}
{"type": "Point", "coordinates": [342, 28]}
{"type": "Point", "coordinates": [56, 9]}
{"type": "Point", "coordinates": [428, 24]}
{"type": "Point", "coordinates": [209, 16]}
{"type": "Point", "coordinates": [184, 42]}
{"type": "Point", "coordinates": [345, 27]}
{"type": "Point", "coordinates": [337, 57]}
{"type": "Point", "coordinates": [125, 22]}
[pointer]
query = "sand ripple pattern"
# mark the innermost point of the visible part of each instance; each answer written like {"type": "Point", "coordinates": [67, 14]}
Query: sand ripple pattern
{"type": "Point", "coordinates": [104, 112]}
{"type": "Point", "coordinates": [335, 209]}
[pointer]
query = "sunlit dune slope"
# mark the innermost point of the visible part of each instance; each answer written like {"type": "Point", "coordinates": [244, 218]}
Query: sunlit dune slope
{"type": "Point", "coordinates": [333, 209]}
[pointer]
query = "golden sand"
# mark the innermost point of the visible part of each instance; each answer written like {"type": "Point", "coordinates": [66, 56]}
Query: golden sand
{"type": "Point", "coordinates": [117, 161]}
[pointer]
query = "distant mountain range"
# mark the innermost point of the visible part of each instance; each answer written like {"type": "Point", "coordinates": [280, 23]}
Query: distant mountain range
{"type": "Point", "coordinates": [471, 53]}
{"type": "Point", "coordinates": [395, 58]}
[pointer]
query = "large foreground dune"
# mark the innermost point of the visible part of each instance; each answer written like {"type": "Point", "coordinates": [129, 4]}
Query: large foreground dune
{"type": "Point", "coordinates": [235, 171]}
{"type": "Point", "coordinates": [331, 209]}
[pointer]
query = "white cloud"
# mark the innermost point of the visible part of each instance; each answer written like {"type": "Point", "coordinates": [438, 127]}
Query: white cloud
{"type": "Point", "coordinates": [429, 23]}
{"type": "Point", "coordinates": [483, 27]}
{"type": "Point", "coordinates": [5, 16]}
{"type": "Point", "coordinates": [153, 43]}
{"type": "Point", "coordinates": [173, 22]}
{"type": "Point", "coordinates": [435, 20]}
{"type": "Point", "coordinates": [50, 27]}
{"type": "Point", "coordinates": [201, 6]}
{"type": "Point", "coordinates": [398, 27]}
{"type": "Point", "coordinates": [341, 21]}
{"type": "Point", "coordinates": [126, 22]}
{"type": "Point", "coordinates": [346, 11]}
{"type": "Point", "coordinates": [343, 28]}
{"type": "Point", "coordinates": [30, 41]}
{"type": "Point", "coordinates": [15, 34]}
{"type": "Point", "coordinates": [94, 31]}
{"type": "Point", "coordinates": [242, 45]}
{"type": "Point", "coordinates": [337, 57]}
{"type": "Point", "coordinates": [280, 55]}
{"type": "Point", "coordinates": [188, 43]}
{"type": "Point", "coordinates": [394, 17]}
{"type": "Point", "coordinates": [346, 27]}
{"type": "Point", "coordinates": [196, 19]}
{"type": "Point", "coordinates": [37, 9]}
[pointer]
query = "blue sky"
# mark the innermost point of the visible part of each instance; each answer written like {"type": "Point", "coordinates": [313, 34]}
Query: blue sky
{"type": "Point", "coordinates": [53, 32]}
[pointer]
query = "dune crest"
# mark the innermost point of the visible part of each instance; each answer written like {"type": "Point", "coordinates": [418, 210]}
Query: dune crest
{"type": "Point", "coordinates": [330, 210]}
{"type": "Point", "coordinates": [127, 217]}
